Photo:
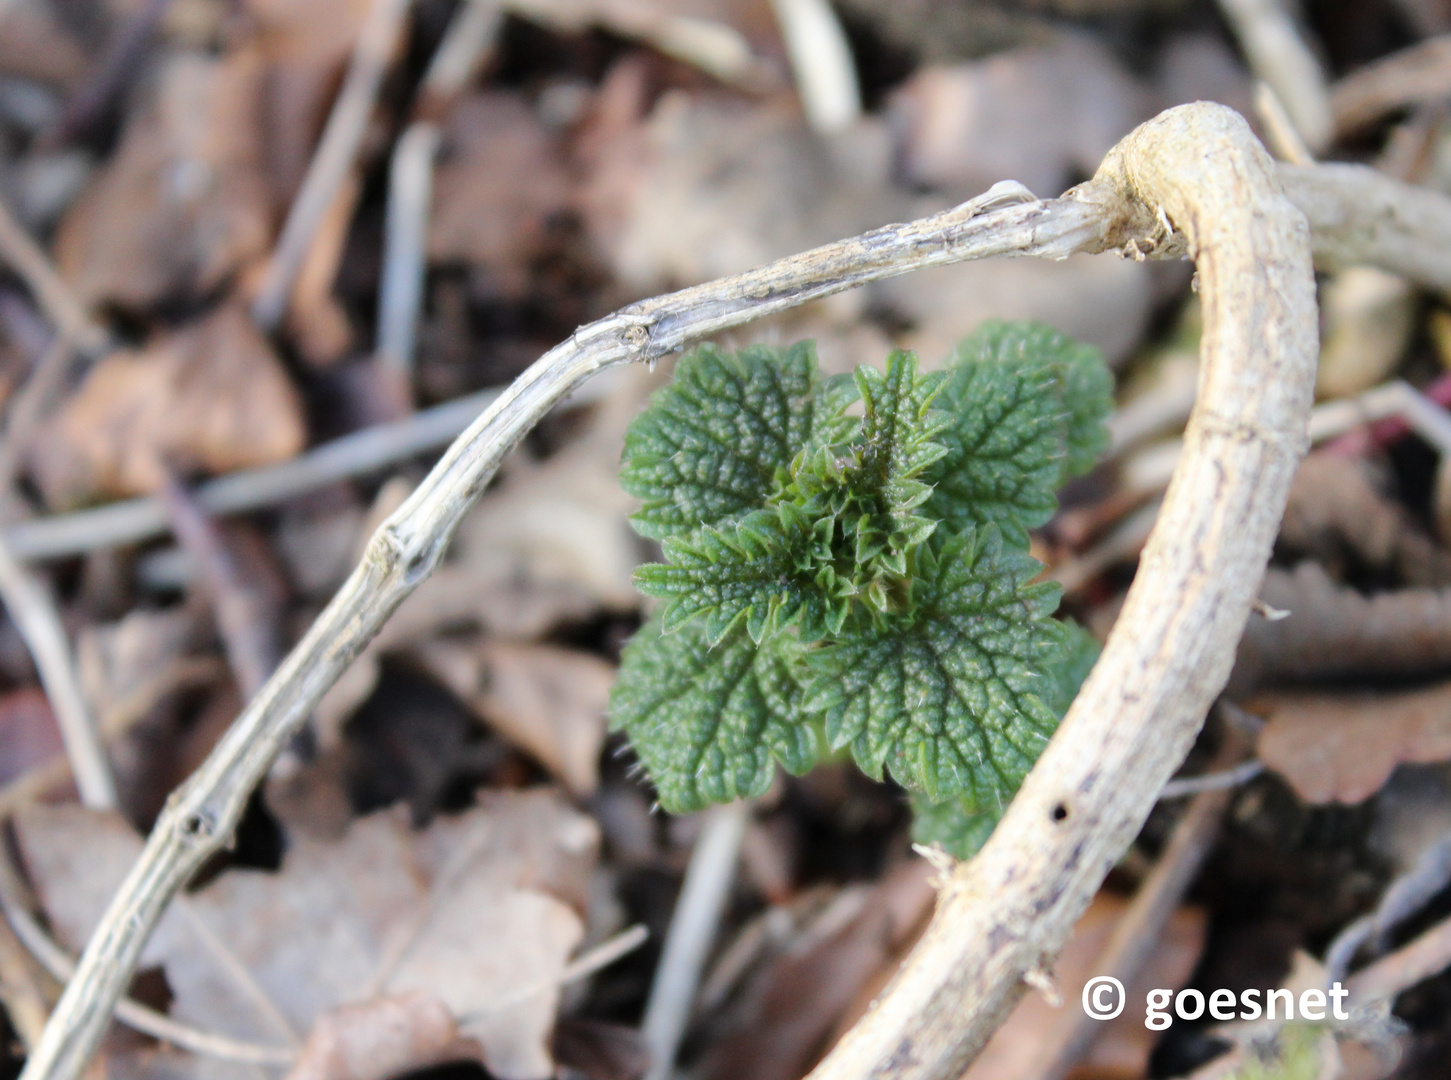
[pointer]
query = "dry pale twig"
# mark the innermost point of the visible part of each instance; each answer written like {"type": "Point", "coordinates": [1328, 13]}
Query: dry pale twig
{"type": "Point", "coordinates": [1223, 780]}
{"type": "Point", "coordinates": [248, 630]}
{"type": "Point", "coordinates": [51, 293]}
{"type": "Point", "coordinates": [1192, 180]}
{"type": "Point", "coordinates": [34, 615]}
{"type": "Point", "coordinates": [136, 1016]}
{"type": "Point", "coordinates": [822, 62]}
{"type": "Point", "coordinates": [1278, 55]}
{"type": "Point", "coordinates": [1137, 933]}
{"type": "Point", "coordinates": [1403, 897]}
{"type": "Point", "coordinates": [336, 152]}
{"type": "Point", "coordinates": [1361, 216]}
{"type": "Point", "coordinates": [410, 184]}
{"type": "Point", "coordinates": [693, 929]}
{"type": "Point", "coordinates": [135, 520]}
{"type": "Point", "coordinates": [1420, 73]}
{"type": "Point", "coordinates": [130, 710]}
{"type": "Point", "coordinates": [1427, 955]}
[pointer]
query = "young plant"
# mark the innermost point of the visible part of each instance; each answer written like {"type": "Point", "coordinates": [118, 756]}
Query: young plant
{"type": "Point", "coordinates": [847, 568]}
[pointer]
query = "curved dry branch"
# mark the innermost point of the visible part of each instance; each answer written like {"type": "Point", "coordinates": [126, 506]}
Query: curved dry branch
{"type": "Point", "coordinates": [1193, 178]}
{"type": "Point", "coordinates": [1197, 167]}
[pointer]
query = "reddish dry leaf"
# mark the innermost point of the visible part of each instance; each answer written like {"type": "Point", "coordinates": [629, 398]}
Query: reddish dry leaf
{"type": "Point", "coordinates": [1336, 514]}
{"type": "Point", "coordinates": [711, 185]}
{"type": "Point", "coordinates": [467, 910]}
{"type": "Point", "coordinates": [211, 397]}
{"type": "Point", "coordinates": [499, 182]}
{"type": "Point", "coordinates": [546, 700]}
{"type": "Point", "coordinates": [1041, 115]}
{"type": "Point", "coordinates": [34, 46]}
{"type": "Point", "coordinates": [184, 203]}
{"type": "Point", "coordinates": [1336, 631]}
{"type": "Point", "coordinates": [1121, 1051]}
{"type": "Point", "coordinates": [790, 1009]}
{"type": "Point", "coordinates": [28, 735]}
{"type": "Point", "coordinates": [378, 1039]}
{"type": "Point", "coordinates": [306, 48]}
{"type": "Point", "coordinates": [1343, 748]}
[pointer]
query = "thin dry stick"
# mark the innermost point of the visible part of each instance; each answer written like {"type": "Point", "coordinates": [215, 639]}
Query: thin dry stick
{"type": "Point", "coordinates": [1421, 73]}
{"type": "Point", "coordinates": [34, 615]}
{"type": "Point", "coordinates": [693, 929]}
{"type": "Point", "coordinates": [822, 62]}
{"type": "Point", "coordinates": [134, 1015]}
{"type": "Point", "coordinates": [336, 152]}
{"type": "Point", "coordinates": [1213, 781]}
{"type": "Point", "coordinates": [1427, 955]}
{"type": "Point", "coordinates": [601, 956]}
{"type": "Point", "coordinates": [1361, 216]}
{"type": "Point", "coordinates": [248, 630]}
{"type": "Point", "coordinates": [1278, 55]}
{"type": "Point", "coordinates": [49, 774]}
{"type": "Point", "coordinates": [51, 293]}
{"type": "Point", "coordinates": [1137, 933]}
{"type": "Point", "coordinates": [129, 711]}
{"type": "Point", "coordinates": [410, 184]}
{"type": "Point", "coordinates": [1193, 179]}
{"type": "Point", "coordinates": [132, 521]}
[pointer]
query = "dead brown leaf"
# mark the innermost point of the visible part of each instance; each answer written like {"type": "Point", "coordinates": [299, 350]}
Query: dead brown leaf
{"type": "Point", "coordinates": [1104, 302]}
{"type": "Point", "coordinates": [1121, 1051]}
{"type": "Point", "coordinates": [378, 1039]}
{"type": "Point", "coordinates": [788, 1011]}
{"type": "Point", "coordinates": [501, 179]}
{"type": "Point", "coordinates": [711, 185]}
{"type": "Point", "coordinates": [306, 47]}
{"type": "Point", "coordinates": [34, 46]}
{"type": "Point", "coordinates": [1343, 747]}
{"type": "Point", "coordinates": [28, 734]}
{"type": "Point", "coordinates": [184, 203]}
{"type": "Point", "coordinates": [1335, 631]}
{"type": "Point", "coordinates": [546, 700]}
{"type": "Point", "coordinates": [1042, 115]}
{"type": "Point", "coordinates": [468, 911]}
{"type": "Point", "coordinates": [211, 397]}
{"type": "Point", "coordinates": [1335, 512]}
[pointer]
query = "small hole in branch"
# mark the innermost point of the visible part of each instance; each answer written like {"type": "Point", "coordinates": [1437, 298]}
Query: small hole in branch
{"type": "Point", "coordinates": [1059, 812]}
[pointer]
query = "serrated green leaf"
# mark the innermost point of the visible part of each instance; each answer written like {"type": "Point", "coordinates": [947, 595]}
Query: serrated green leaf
{"type": "Point", "coordinates": [949, 698]}
{"type": "Point", "coordinates": [758, 571]}
{"type": "Point", "coordinates": [709, 722]}
{"type": "Point", "coordinates": [1028, 407]}
{"type": "Point", "coordinates": [953, 824]}
{"type": "Point", "coordinates": [716, 443]}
